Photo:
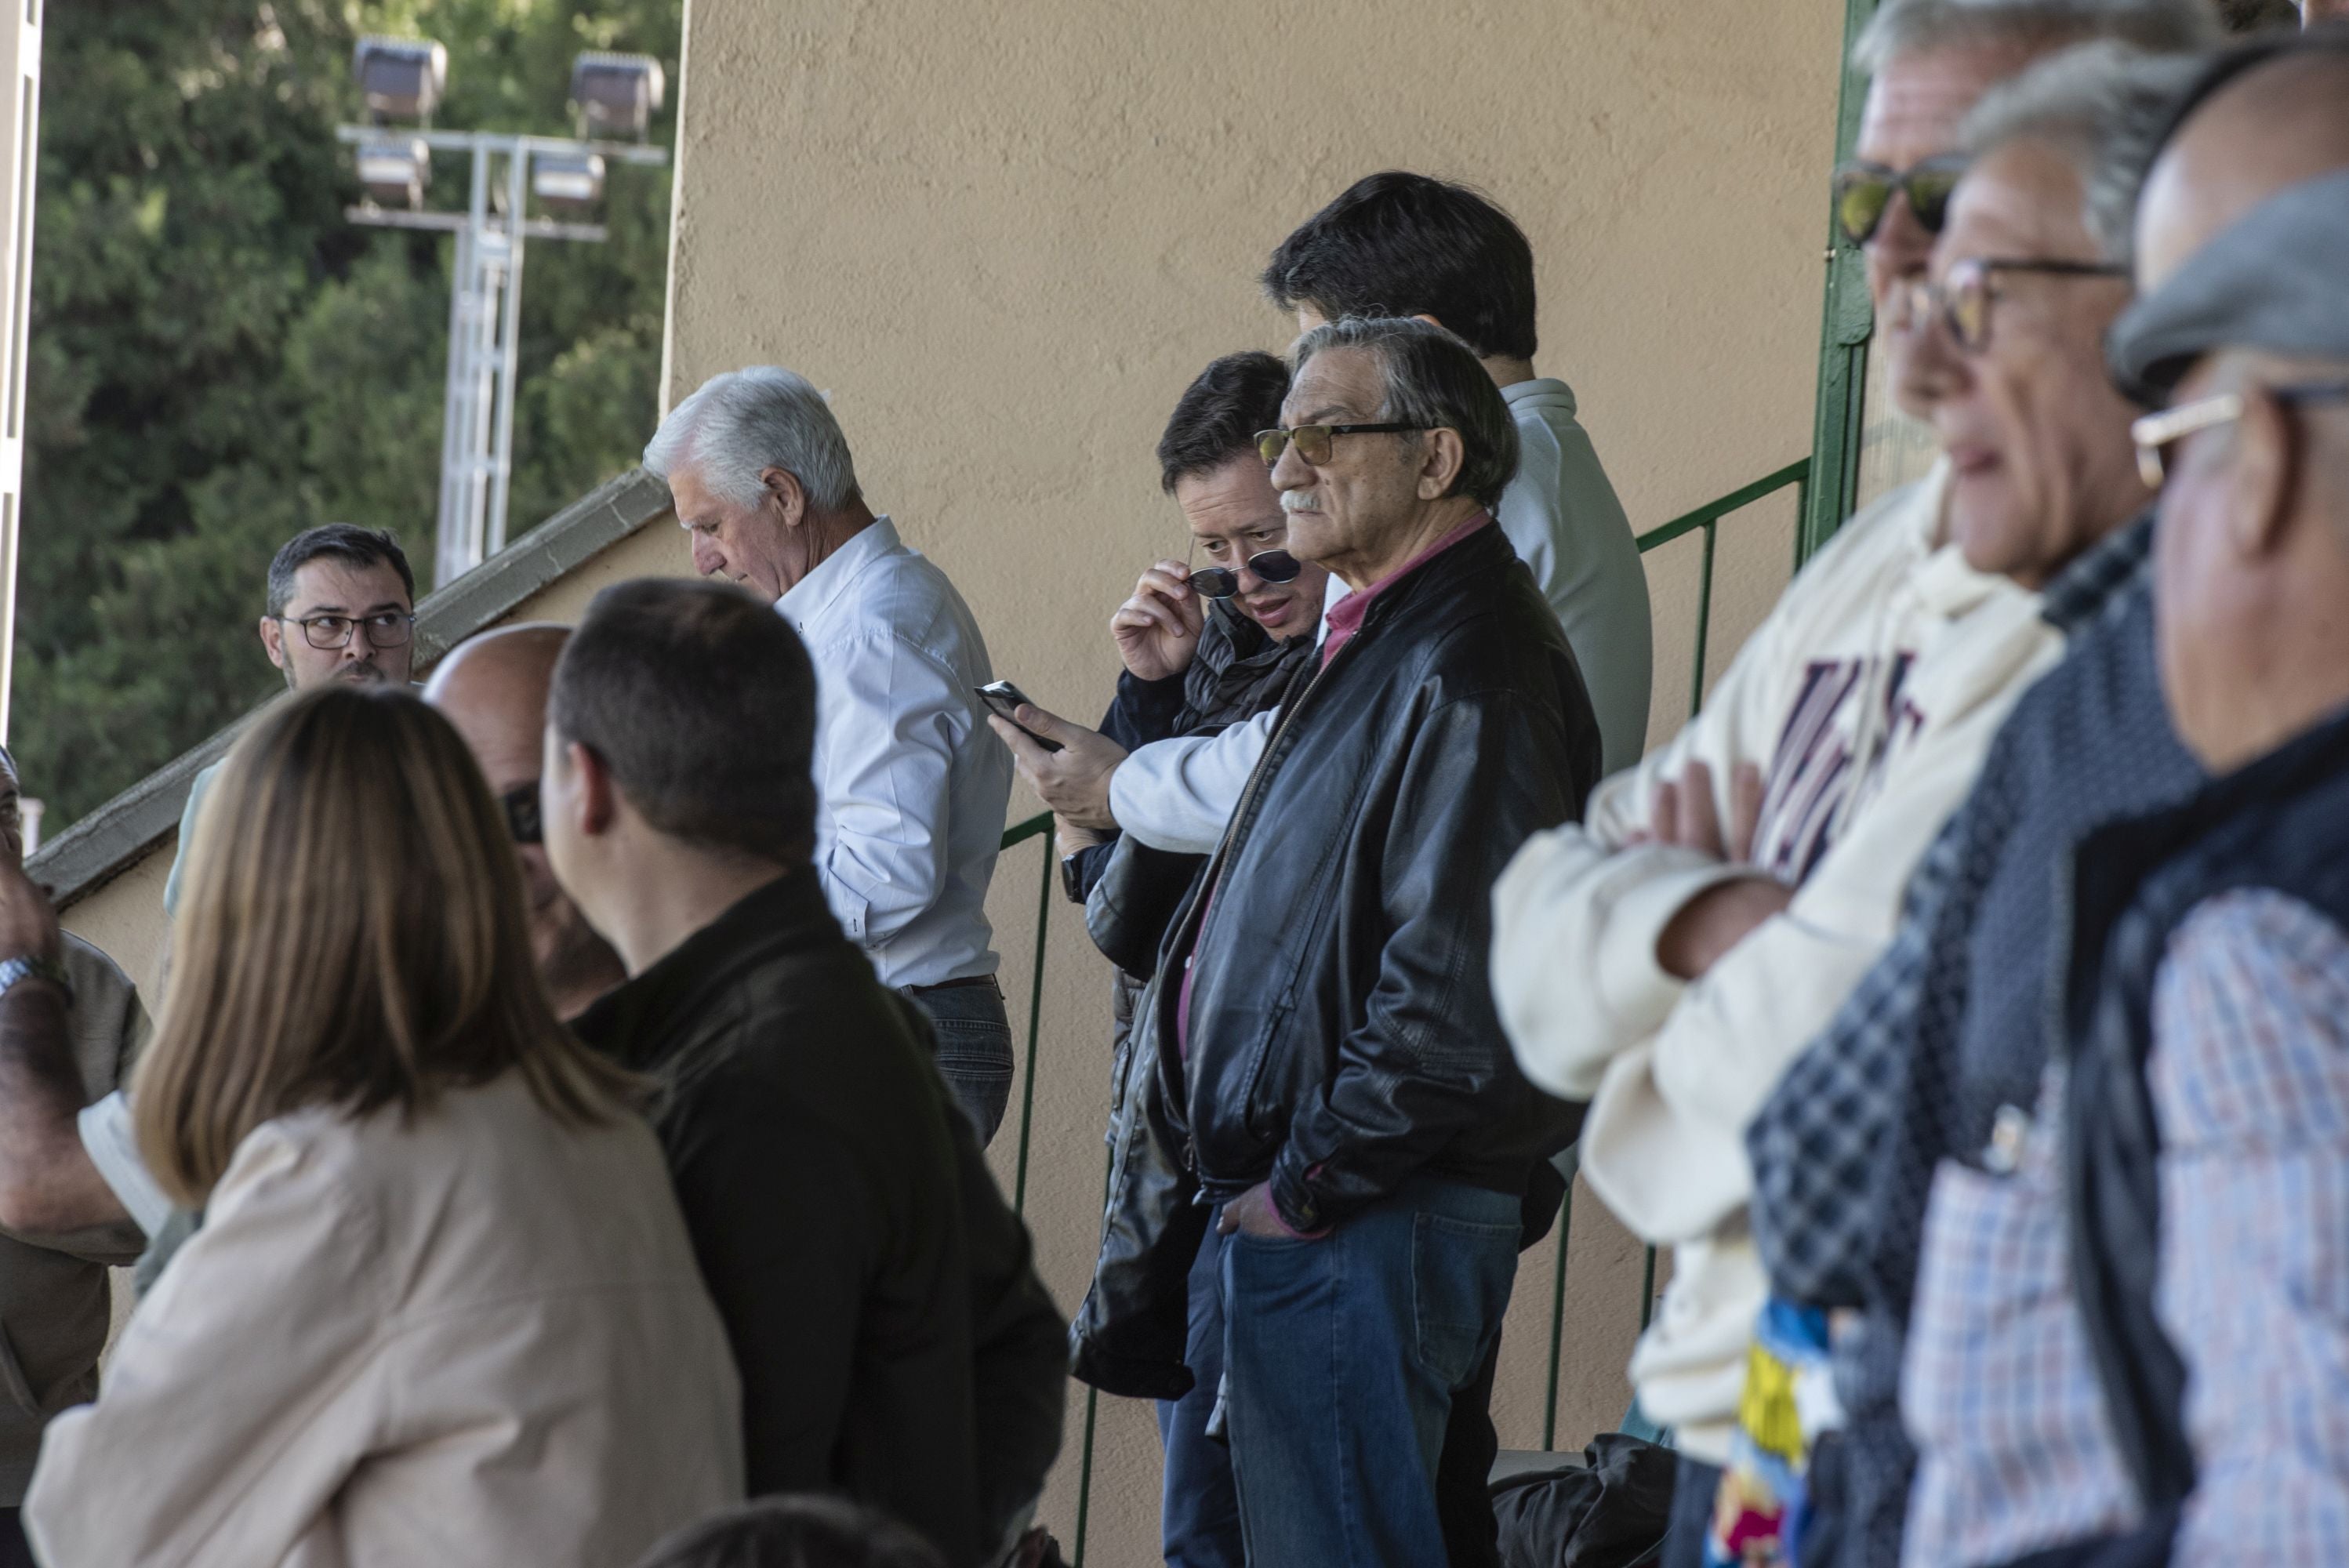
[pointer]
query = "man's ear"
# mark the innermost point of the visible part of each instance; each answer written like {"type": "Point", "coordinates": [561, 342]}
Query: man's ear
{"type": "Point", "coordinates": [786, 497]}
{"type": "Point", "coordinates": [1440, 463]}
{"type": "Point", "coordinates": [1429, 317]}
{"type": "Point", "coordinates": [2266, 472]}
{"type": "Point", "coordinates": [273, 639]}
{"type": "Point", "coordinates": [598, 795]}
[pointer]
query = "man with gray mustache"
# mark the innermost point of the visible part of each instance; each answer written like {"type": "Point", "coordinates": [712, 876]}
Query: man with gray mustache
{"type": "Point", "coordinates": [1326, 1047]}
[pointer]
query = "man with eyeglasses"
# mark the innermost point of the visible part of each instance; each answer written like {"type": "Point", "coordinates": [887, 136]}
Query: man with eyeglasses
{"type": "Point", "coordinates": [2053, 1333]}
{"type": "Point", "coordinates": [1322, 1046]}
{"type": "Point", "coordinates": [1721, 902]}
{"type": "Point", "coordinates": [342, 606]}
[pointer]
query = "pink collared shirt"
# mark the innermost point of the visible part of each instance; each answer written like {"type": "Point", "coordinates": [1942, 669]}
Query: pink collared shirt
{"type": "Point", "coordinates": [1346, 615]}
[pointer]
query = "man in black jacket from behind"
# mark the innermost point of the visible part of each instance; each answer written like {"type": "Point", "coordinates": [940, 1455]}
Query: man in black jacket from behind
{"type": "Point", "coordinates": [1321, 1035]}
{"type": "Point", "coordinates": [893, 1342]}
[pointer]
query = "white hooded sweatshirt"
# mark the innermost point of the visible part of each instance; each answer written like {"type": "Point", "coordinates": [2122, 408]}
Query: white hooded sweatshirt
{"type": "Point", "coordinates": [1867, 699]}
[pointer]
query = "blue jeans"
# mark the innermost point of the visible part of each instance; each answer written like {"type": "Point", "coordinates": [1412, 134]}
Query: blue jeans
{"type": "Point", "coordinates": [1341, 1357]}
{"type": "Point", "coordinates": [1199, 1512]}
{"type": "Point", "coordinates": [974, 1038]}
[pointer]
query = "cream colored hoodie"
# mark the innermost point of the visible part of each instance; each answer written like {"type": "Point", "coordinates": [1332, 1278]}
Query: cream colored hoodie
{"type": "Point", "coordinates": [1867, 699]}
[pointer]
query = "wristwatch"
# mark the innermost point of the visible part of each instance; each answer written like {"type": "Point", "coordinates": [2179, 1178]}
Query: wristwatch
{"type": "Point", "coordinates": [31, 966]}
{"type": "Point", "coordinates": [1069, 884]}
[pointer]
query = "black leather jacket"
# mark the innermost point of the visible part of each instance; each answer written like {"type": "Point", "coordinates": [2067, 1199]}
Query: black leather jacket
{"type": "Point", "coordinates": [1341, 1032]}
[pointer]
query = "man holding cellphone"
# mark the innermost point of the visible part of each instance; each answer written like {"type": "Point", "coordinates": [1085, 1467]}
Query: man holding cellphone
{"type": "Point", "coordinates": [911, 792]}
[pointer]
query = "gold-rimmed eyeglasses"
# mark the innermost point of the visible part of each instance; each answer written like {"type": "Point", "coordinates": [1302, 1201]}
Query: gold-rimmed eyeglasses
{"type": "Point", "coordinates": [2155, 433]}
{"type": "Point", "coordinates": [1962, 301]}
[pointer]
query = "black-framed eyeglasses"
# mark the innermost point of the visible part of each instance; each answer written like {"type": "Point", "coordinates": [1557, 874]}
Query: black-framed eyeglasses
{"type": "Point", "coordinates": [1864, 192]}
{"type": "Point", "coordinates": [1963, 300]}
{"type": "Point", "coordinates": [525, 824]}
{"type": "Point", "coordinates": [2155, 433]}
{"type": "Point", "coordinates": [1313, 442]}
{"type": "Point", "coordinates": [387, 629]}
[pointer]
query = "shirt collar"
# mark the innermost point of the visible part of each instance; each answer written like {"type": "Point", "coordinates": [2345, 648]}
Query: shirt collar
{"type": "Point", "coordinates": [2075, 595]}
{"type": "Point", "coordinates": [810, 598]}
{"type": "Point", "coordinates": [1346, 615]}
{"type": "Point", "coordinates": [1541, 388]}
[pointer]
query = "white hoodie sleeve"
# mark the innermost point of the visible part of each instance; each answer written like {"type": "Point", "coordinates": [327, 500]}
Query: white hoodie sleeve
{"type": "Point", "coordinates": [1664, 1144]}
{"type": "Point", "coordinates": [1577, 915]}
{"type": "Point", "coordinates": [1179, 795]}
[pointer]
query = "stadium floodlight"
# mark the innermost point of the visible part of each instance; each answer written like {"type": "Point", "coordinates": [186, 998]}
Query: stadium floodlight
{"type": "Point", "coordinates": [568, 181]}
{"type": "Point", "coordinates": [395, 170]}
{"type": "Point", "coordinates": [615, 96]}
{"type": "Point", "coordinates": [401, 79]}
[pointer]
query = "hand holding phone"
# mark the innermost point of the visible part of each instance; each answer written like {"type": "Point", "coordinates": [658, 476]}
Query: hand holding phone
{"type": "Point", "coordinates": [1003, 699]}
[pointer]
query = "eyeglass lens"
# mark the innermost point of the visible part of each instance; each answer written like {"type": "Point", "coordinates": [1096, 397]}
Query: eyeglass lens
{"type": "Point", "coordinates": [326, 631]}
{"type": "Point", "coordinates": [1312, 443]}
{"type": "Point", "coordinates": [1223, 582]}
{"type": "Point", "coordinates": [1864, 194]}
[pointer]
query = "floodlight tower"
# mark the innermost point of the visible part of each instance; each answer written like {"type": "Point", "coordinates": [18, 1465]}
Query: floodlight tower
{"type": "Point", "coordinates": [401, 81]}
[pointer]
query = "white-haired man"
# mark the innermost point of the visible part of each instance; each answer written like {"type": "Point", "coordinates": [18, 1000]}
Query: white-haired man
{"type": "Point", "coordinates": [911, 789]}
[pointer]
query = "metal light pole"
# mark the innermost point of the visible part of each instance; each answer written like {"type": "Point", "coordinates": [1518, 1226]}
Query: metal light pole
{"type": "Point", "coordinates": [402, 78]}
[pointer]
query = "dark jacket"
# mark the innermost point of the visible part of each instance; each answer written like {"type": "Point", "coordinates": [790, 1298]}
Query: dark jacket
{"type": "Point", "coordinates": [1342, 1036]}
{"type": "Point", "coordinates": [892, 1339]}
{"type": "Point", "coordinates": [2282, 824]}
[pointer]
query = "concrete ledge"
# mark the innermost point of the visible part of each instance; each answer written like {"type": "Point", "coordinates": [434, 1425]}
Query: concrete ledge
{"type": "Point", "coordinates": [119, 834]}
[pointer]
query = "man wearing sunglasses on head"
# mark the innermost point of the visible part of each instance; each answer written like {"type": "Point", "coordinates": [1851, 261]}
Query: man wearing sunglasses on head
{"type": "Point", "coordinates": [342, 607]}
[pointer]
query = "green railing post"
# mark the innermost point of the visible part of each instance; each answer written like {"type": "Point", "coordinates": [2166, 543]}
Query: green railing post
{"type": "Point", "coordinates": [1037, 826]}
{"type": "Point", "coordinates": [1557, 1316]}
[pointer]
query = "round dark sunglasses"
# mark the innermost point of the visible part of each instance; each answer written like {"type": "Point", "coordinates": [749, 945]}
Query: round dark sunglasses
{"type": "Point", "coordinates": [1863, 194]}
{"type": "Point", "coordinates": [1223, 582]}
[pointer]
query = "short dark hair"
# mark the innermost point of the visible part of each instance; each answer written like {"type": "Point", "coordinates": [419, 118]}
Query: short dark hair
{"type": "Point", "coordinates": [346, 542]}
{"type": "Point", "coordinates": [1433, 381]}
{"type": "Point", "coordinates": [795, 1533]}
{"type": "Point", "coordinates": [1219, 415]}
{"type": "Point", "coordinates": [701, 702]}
{"type": "Point", "coordinates": [1405, 244]}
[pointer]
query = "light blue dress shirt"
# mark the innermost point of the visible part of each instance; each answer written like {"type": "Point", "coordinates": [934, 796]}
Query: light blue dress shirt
{"type": "Point", "coordinates": [911, 787]}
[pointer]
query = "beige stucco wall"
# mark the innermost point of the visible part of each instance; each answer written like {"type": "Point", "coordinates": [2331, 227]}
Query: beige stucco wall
{"type": "Point", "coordinates": [1004, 237]}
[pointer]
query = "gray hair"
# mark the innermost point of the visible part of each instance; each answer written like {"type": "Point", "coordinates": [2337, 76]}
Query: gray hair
{"type": "Point", "coordinates": [1431, 380]}
{"type": "Point", "coordinates": [1913, 26]}
{"type": "Point", "coordinates": [740, 423]}
{"type": "Point", "coordinates": [2103, 107]}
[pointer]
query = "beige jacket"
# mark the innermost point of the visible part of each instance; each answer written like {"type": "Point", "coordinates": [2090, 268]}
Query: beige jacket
{"type": "Point", "coordinates": [480, 1338]}
{"type": "Point", "coordinates": [1867, 699]}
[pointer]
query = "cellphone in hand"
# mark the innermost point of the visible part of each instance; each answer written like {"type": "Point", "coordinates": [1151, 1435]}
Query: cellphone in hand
{"type": "Point", "coordinates": [1003, 699]}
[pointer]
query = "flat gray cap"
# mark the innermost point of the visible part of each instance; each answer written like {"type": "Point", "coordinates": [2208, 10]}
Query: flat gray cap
{"type": "Point", "coordinates": [2278, 280]}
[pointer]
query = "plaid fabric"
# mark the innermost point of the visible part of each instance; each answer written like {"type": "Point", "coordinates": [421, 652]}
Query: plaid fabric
{"type": "Point", "coordinates": [2249, 1078]}
{"type": "Point", "coordinates": [2001, 1391]}
{"type": "Point", "coordinates": [1843, 1152]}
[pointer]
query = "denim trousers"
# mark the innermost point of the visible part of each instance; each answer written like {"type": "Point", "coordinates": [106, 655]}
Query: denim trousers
{"type": "Point", "coordinates": [1199, 1511]}
{"type": "Point", "coordinates": [974, 1038]}
{"type": "Point", "coordinates": [1342, 1358]}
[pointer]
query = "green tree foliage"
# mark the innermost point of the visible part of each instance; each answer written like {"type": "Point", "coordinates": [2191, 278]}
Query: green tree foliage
{"type": "Point", "coordinates": [220, 359]}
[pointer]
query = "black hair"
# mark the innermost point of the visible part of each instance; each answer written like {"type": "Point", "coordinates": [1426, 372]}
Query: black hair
{"type": "Point", "coordinates": [1433, 381]}
{"type": "Point", "coordinates": [795, 1533]}
{"type": "Point", "coordinates": [701, 700]}
{"type": "Point", "coordinates": [345, 541]}
{"type": "Point", "coordinates": [1406, 245]}
{"type": "Point", "coordinates": [1219, 415]}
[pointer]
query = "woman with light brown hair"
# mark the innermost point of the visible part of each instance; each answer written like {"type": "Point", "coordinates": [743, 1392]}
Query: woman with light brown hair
{"type": "Point", "coordinates": [443, 1308]}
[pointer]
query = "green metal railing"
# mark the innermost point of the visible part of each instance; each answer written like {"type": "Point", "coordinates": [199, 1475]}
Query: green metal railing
{"type": "Point", "coordinates": [1706, 520]}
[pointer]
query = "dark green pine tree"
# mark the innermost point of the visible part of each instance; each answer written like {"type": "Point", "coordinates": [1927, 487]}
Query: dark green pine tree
{"type": "Point", "coordinates": [219, 359]}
